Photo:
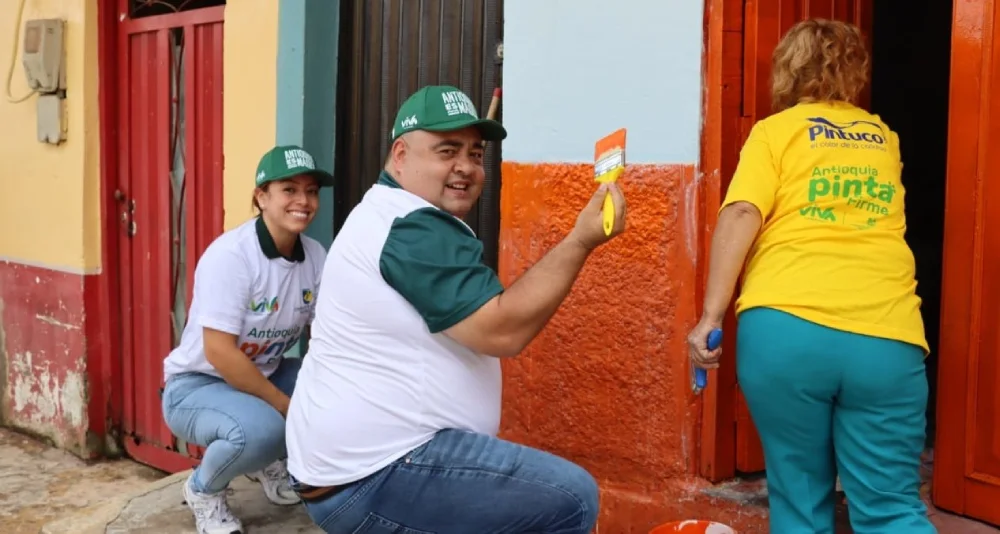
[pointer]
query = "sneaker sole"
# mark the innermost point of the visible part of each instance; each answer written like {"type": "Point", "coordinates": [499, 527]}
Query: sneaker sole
{"type": "Point", "coordinates": [187, 502]}
{"type": "Point", "coordinates": [269, 499]}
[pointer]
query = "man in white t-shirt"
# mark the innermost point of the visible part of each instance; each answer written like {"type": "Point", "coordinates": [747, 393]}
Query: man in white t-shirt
{"type": "Point", "coordinates": [394, 419]}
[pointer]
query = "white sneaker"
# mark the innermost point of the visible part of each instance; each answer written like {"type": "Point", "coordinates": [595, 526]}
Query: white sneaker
{"type": "Point", "coordinates": [211, 511]}
{"type": "Point", "coordinates": [274, 479]}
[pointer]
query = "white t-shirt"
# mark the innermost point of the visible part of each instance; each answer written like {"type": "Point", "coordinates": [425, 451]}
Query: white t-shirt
{"type": "Point", "coordinates": [380, 377]}
{"type": "Point", "coordinates": [244, 287]}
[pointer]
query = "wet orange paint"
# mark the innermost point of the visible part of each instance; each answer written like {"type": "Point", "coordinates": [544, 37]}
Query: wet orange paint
{"type": "Point", "coordinates": [606, 383]}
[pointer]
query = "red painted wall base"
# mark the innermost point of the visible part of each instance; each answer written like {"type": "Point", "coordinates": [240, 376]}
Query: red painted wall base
{"type": "Point", "coordinates": [43, 366]}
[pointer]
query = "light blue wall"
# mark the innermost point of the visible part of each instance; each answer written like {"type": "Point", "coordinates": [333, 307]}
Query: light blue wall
{"type": "Point", "coordinates": [576, 70]}
{"type": "Point", "coordinates": [308, 34]}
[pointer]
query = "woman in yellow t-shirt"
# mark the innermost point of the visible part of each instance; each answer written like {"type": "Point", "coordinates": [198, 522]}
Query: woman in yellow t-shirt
{"type": "Point", "coordinates": [830, 342]}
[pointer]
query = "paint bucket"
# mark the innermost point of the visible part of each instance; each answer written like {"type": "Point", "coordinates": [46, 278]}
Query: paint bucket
{"type": "Point", "coordinates": [692, 526]}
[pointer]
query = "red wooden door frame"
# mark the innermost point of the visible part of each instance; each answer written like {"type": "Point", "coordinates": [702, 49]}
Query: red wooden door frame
{"type": "Point", "coordinates": [960, 483]}
{"type": "Point", "coordinates": [114, 384]}
{"type": "Point", "coordinates": [104, 408]}
{"type": "Point", "coordinates": [723, 75]}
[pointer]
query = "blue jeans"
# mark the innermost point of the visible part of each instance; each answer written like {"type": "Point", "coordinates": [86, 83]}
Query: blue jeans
{"type": "Point", "coordinates": [462, 482]}
{"type": "Point", "coordinates": [828, 402]}
{"type": "Point", "coordinates": [241, 432]}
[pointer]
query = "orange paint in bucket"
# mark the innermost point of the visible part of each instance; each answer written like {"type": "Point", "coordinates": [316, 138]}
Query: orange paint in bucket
{"type": "Point", "coordinates": [692, 526]}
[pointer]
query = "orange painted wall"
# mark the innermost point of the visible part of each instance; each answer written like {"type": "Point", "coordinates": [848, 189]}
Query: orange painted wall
{"type": "Point", "coordinates": [606, 382]}
{"type": "Point", "coordinates": [618, 340]}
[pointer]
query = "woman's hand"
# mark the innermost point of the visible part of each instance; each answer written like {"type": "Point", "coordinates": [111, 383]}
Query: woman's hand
{"type": "Point", "coordinates": [735, 232]}
{"type": "Point", "coordinates": [698, 345]}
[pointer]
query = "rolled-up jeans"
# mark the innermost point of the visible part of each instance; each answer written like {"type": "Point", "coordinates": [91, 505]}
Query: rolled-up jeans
{"type": "Point", "coordinates": [461, 482]}
{"type": "Point", "coordinates": [240, 432]}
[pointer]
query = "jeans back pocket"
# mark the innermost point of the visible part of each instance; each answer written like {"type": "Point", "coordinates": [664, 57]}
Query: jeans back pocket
{"type": "Point", "coordinates": [376, 524]}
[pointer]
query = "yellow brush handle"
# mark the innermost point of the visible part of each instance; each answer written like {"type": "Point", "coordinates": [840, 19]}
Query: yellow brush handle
{"type": "Point", "coordinates": [609, 204]}
{"type": "Point", "coordinates": [609, 214]}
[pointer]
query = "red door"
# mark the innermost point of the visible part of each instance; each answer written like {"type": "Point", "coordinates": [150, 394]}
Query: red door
{"type": "Point", "coordinates": [967, 452]}
{"type": "Point", "coordinates": [168, 198]}
{"type": "Point", "coordinates": [730, 441]}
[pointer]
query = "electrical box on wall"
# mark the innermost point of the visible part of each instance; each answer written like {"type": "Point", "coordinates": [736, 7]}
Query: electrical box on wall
{"type": "Point", "coordinates": [43, 55]}
{"type": "Point", "coordinates": [51, 124]}
{"type": "Point", "coordinates": [45, 69]}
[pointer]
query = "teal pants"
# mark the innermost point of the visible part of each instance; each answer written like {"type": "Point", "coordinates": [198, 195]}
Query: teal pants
{"type": "Point", "coordinates": [828, 402]}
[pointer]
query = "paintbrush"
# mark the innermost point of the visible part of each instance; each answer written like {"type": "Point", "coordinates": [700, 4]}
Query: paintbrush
{"type": "Point", "coordinates": [609, 164]}
{"type": "Point", "coordinates": [491, 113]}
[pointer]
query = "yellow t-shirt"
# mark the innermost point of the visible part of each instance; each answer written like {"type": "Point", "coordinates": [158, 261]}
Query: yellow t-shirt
{"type": "Point", "coordinates": [826, 178]}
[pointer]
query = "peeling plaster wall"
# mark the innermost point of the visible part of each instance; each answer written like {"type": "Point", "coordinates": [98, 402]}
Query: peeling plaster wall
{"type": "Point", "coordinates": [50, 206]}
{"type": "Point", "coordinates": [43, 350]}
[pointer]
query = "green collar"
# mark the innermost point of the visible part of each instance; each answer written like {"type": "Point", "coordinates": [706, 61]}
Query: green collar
{"type": "Point", "coordinates": [385, 179]}
{"type": "Point", "coordinates": [271, 250]}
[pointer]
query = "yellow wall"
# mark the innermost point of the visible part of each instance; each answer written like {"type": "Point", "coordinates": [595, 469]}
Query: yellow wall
{"type": "Point", "coordinates": [49, 194]}
{"type": "Point", "coordinates": [250, 63]}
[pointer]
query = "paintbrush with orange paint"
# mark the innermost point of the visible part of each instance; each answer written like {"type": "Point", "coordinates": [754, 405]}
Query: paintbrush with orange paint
{"type": "Point", "coordinates": [609, 164]}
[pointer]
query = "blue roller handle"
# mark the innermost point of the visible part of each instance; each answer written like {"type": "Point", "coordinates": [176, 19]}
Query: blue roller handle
{"type": "Point", "coordinates": [701, 375]}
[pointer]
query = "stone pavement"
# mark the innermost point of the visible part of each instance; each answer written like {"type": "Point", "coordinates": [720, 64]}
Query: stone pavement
{"type": "Point", "coordinates": [46, 490]}
{"type": "Point", "coordinates": [39, 483]}
{"type": "Point", "coordinates": [159, 508]}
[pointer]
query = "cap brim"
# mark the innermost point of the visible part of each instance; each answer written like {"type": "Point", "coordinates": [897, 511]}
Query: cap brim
{"type": "Point", "coordinates": [323, 178]}
{"type": "Point", "coordinates": [491, 130]}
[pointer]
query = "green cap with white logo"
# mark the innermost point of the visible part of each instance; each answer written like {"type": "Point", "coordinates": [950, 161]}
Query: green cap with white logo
{"type": "Point", "coordinates": [443, 108]}
{"type": "Point", "coordinates": [286, 161]}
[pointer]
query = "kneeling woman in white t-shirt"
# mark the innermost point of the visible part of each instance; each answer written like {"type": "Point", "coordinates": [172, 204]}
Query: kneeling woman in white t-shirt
{"type": "Point", "coordinates": [227, 383]}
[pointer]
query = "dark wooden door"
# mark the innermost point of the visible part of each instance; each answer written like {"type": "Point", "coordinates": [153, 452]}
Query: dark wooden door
{"type": "Point", "coordinates": [391, 48]}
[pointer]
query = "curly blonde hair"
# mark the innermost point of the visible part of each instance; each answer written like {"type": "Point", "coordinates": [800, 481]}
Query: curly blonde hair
{"type": "Point", "coordinates": [818, 61]}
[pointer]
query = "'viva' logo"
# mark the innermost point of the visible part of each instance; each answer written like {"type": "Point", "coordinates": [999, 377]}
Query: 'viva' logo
{"type": "Point", "coordinates": [816, 212]}
{"type": "Point", "coordinates": [264, 306]}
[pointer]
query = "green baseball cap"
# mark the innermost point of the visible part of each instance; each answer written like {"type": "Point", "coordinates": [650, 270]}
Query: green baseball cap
{"type": "Point", "coordinates": [285, 161]}
{"type": "Point", "coordinates": [443, 108]}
